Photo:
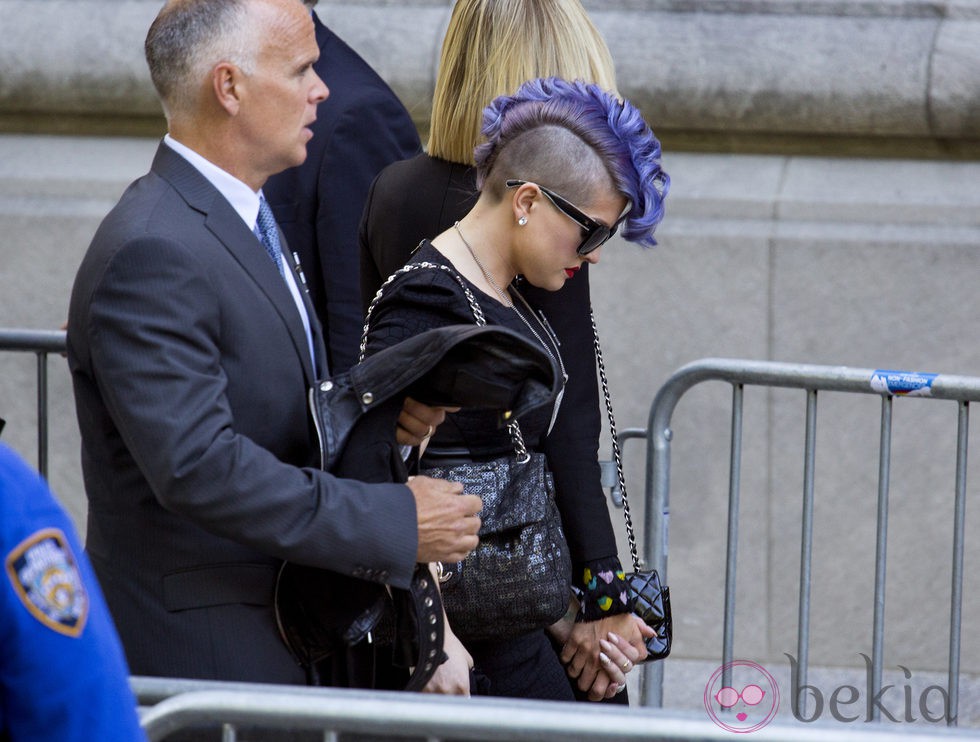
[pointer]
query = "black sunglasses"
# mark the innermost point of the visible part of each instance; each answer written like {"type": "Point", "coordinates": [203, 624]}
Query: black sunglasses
{"type": "Point", "coordinates": [596, 233]}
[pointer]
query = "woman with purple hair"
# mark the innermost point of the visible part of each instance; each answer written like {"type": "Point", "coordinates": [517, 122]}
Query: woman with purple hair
{"type": "Point", "coordinates": [564, 166]}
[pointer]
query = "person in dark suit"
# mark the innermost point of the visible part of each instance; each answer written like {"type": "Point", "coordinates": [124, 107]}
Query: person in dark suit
{"type": "Point", "coordinates": [422, 197]}
{"type": "Point", "coordinates": [361, 128]}
{"type": "Point", "coordinates": [191, 355]}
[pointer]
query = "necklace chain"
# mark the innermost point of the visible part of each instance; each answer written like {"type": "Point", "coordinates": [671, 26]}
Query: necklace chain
{"type": "Point", "coordinates": [504, 298]}
{"type": "Point", "coordinates": [507, 301]}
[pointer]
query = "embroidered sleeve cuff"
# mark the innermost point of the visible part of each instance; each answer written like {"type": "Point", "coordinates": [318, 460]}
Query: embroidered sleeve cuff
{"type": "Point", "coordinates": [602, 590]}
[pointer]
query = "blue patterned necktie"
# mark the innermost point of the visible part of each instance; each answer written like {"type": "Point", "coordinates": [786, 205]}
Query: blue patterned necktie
{"type": "Point", "coordinates": [268, 233]}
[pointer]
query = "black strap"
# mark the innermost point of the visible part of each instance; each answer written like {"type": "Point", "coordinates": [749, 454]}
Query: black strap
{"type": "Point", "coordinates": [617, 453]}
{"type": "Point", "coordinates": [426, 606]}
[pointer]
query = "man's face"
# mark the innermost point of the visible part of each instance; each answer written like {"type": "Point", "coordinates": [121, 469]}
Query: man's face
{"type": "Point", "coordinates": [284, 91]}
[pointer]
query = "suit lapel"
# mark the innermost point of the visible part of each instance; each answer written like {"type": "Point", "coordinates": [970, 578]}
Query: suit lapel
{"type": "Point", "coordinates": [231, 232]}
{"type": "Point", "coordinates": [316, 329]}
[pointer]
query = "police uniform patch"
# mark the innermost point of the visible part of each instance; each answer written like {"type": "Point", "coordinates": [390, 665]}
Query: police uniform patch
{"type": "Point", "coordinates": [44, 574]}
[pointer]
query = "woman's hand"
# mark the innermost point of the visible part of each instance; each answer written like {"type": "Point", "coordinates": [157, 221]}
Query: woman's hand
{"type": "Point", "coordinates": [618, 660]}
{"type": "Point", "coordinates": [452, 677]}
{"type": "Point", "coordinates": [417, 422]}
{"type": "Point", "coordinates": [561, 629]}
{"type": "Point", "coordinates": [599, 654]}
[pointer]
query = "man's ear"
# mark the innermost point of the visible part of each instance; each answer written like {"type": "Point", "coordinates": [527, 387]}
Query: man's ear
{"type": "Point", "coordinates": [227, 84]}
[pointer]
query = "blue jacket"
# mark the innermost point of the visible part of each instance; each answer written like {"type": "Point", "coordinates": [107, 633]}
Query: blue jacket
{"type": "Point", "coordinates": [62, 672]}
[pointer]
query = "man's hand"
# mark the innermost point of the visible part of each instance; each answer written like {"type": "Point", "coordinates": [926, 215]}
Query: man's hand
{"type": "Point", "coordinates": [417, 422]}
{"type": "Point", "coordinates": [447, 519]}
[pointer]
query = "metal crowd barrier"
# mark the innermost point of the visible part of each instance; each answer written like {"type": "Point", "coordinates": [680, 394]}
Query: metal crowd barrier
{"type": "Point", "coordinates": [42, 343]}
{"type": "Point", "coordinates": [811, 379]}
{"type": "Point", "coordinates": [180, 704]}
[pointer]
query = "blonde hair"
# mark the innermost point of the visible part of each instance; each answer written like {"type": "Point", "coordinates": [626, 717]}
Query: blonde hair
{"type": "Point", "coordinates": [492, 47]}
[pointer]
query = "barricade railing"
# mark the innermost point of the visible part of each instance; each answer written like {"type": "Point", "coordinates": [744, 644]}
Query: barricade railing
{"type": "Point", "coordinates": [811, 379]}
{"type": "Point", "coordinates": [41, 343]}
{"type": "Point", "coordinates": [189, 701]}
{"type": "Point", "coordinates": [180, 704]}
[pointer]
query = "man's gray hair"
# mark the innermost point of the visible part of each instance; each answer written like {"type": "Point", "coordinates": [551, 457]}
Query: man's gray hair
{"type": "Point", "coordinates": [186, 41]}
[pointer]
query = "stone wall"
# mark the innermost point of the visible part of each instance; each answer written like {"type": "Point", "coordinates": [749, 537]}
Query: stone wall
{"type": "Point", "coordinates": [837, 75]}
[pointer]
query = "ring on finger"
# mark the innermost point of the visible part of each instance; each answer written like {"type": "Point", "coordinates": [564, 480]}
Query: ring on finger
{"type": "Point", "coordinates": [627, 666]}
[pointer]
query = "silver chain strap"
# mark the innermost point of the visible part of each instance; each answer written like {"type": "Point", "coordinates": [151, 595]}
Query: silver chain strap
{"type": "Point", "coordinates": [518, 440]}
{"type": "Point", "coordinates": [474, 305]}
{"type": "Point", "coordinates": [512, 427]}
{"type": "Point", "coordinates": [617, 453]}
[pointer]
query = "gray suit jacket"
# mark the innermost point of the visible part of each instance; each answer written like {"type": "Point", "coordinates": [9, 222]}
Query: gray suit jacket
{"type": "Point", "coordinates": [190, 369]}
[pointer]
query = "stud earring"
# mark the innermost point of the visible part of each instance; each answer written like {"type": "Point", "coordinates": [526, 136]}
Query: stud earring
{"type": "Point", "coordinates": [522, 221]}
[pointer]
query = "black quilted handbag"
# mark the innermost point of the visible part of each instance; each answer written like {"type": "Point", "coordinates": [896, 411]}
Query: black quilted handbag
{"type": "Point", "coordinates": [652, 598]}
{"type": "Point", "coordinates": [653, 606]}
{"type": "Point", "coordinates": [517, 578]}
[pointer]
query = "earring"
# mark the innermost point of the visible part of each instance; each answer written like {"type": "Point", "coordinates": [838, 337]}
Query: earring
{"type": "Point", "coordinates": [522, 221]}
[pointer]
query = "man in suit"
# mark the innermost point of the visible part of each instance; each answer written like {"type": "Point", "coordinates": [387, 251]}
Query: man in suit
{"type": "Point", "coordinates": [191, 345]}
{"type": "Point", "coordinates": [362, 128]}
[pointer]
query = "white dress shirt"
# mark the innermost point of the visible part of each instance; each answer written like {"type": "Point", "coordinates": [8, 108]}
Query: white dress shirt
{"type": "Point", "coordinates": [245, 201]}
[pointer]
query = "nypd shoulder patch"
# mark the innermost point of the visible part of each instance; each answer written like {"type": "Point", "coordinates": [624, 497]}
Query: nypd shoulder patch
{"type": "Point", "coordinates": [44, 575]}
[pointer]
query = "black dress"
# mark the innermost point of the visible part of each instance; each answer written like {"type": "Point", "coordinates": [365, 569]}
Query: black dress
{"type": "Point", "coordinates": [524, 666]}
{"type": "Point", "coordinates": [421, 197]}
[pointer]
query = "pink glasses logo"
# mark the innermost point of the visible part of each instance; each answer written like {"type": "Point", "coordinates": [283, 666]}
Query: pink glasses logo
{"type": "Point", "coordinates": [748, 704]}
{"type": "Point", "coordinates": [751, 695]}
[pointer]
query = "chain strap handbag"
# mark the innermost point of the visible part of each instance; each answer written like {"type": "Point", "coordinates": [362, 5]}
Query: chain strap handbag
{"type": "Point", "coordinates": [652, 598]}
{"type": "Point", "coordinates": [518, 578]}
{"type": "Point", "coordinates": [338, 626]}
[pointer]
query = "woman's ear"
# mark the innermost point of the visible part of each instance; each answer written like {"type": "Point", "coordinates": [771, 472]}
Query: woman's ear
{"type": "Point", "coordinates": [523, 201]}
{"type": "Point", "coordinates": [227, 83]}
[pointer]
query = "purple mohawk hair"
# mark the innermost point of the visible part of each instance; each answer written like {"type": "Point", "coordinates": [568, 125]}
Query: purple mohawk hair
{"type": "Point", "coordinates": [613, 128]}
